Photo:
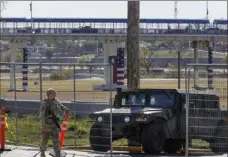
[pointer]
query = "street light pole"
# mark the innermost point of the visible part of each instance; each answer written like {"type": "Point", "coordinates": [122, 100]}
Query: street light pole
{"type": "Point", "coordinates": [179, 68]}
{"type": "Point", "coordinates": [207, 11]}
{"type": "Point", "coordinates": [31, 13]}
{"type": "Point", "coordinates": [97, 47]}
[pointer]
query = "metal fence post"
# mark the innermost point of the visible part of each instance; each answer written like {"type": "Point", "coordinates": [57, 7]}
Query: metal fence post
{"type": "Point", "coordinates": [187, 75]}
{"type": "Point", "coordinates": [179, 70]}
{"type": "Point", "coordinates": [110, 105]}
{"type": "Point", "coordinates": [74, 91]}
{"type": "Point", "coordinates": [41, 81]}
{"type": "Point", "coordinates": [15, 101]}
{"type": "Point", "coordinates": [41, 85]}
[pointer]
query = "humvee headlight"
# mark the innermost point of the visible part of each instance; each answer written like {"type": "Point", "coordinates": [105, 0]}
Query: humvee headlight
{"type": "Point", "coordinates": [127, 119]}
{"type": "Point", "coordinates": [99, 119]}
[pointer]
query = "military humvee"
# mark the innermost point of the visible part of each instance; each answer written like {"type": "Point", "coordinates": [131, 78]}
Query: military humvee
{"type": "Point", "coordinates": [156, 118]}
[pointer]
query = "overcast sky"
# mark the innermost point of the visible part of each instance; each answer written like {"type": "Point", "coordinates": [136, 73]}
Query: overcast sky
{"type": "Point", "coordinates": [115, 9]}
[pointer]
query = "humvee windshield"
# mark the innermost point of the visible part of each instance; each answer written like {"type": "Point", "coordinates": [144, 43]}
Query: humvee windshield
{"type": "Point", "coordinates": [159, 100]}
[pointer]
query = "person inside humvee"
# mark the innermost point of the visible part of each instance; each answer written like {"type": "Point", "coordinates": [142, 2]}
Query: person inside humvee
{"type": "Point", "coordinates": [133, 99]}
{"type": "Point", "coordinates": [153, 100]}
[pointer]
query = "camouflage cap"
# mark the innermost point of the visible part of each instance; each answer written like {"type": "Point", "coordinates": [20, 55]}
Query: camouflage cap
{"type": "Point", "coordinates": [51, 91]}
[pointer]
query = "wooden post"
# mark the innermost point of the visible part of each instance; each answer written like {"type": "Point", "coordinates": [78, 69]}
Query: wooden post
{"type": "Point", "coordinates": [132, 45]}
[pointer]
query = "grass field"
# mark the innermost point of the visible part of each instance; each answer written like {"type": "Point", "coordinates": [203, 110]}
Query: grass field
{"type": "Point", "coordinates": [84, 89]}
{"type": "Point", "coordinates": [185, 54]}
{"type": "Point", "coordinates": [28, 133]}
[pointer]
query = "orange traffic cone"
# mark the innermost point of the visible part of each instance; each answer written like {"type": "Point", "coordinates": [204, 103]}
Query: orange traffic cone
{"type": "Point", "coordinates": [63, 130]}
{"type": "Point", "coordinates": [2, 130]}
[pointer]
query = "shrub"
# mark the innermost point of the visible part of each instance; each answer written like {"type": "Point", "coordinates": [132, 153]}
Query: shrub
{"type": "Point", "coordinates": [82, 127]}
{"type": "Point", "coordinates": [19, 57]}
{"type": "Point", "coordinates": [62, 75]}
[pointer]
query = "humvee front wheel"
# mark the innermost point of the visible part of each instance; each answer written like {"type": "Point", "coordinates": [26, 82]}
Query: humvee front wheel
{"type": "Point", "coordinates": [172, 146]}
{"type": "Point", "coordinates": [153, 139]}
{"type": "Point", "coordinates": [99, 138]}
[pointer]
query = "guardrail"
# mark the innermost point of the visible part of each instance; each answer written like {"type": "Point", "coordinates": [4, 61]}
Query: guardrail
{"type": "Point", "coordinates": [109, 31]}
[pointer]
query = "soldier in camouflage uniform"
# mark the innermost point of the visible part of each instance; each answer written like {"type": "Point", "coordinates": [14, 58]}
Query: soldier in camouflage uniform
{"type": "Point", "coordinates": [49, 128]}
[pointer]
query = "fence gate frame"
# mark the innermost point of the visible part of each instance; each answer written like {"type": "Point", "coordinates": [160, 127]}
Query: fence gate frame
{"type": "Point", "coordinates": [188, 74]}
{"type": "Point", "coordinates": [73, 89]}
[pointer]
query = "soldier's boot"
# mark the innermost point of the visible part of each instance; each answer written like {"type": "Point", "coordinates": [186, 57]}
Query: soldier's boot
{"type": "Point", "coordinates": [57, 153]}
{"type": "Point", "coordinates": [42, 154]}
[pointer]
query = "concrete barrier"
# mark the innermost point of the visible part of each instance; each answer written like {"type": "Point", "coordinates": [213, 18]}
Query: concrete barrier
{"type": "Point", "coordinates": [31, 107]}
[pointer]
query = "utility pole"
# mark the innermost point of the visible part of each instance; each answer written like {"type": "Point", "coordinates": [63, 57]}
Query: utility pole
{"type": "Point", "coordinates": [31, 13]}
{"type": "Point", "coordinates": [175, 10]}
{"type": "Point", "coordinates": [207, 11]}
{"type": "Point", "coordinates": [132, 45]}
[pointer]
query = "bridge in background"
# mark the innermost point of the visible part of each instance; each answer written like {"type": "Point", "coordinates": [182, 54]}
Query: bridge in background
{"type": "Point", "coordinates": [111, 29]}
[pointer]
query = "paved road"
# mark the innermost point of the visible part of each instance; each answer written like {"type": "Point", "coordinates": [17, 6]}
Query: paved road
{"type": "Point", "coordinates": [25, 107]}
{"type": "Point", "coordinates": [22, 151]}
{"type": "Point", "coordinates": [7, 78]}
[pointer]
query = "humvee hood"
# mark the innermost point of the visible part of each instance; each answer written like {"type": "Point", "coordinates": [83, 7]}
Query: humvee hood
{"type": "Point", "coordinates": [130, 110]}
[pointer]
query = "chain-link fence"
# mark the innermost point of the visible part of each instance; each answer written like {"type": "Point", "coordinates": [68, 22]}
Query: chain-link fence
{"type": "Point", "coordinates": [207, 109]}
{"type": "Point", "coordinates": [206, 118]}
{"type": "Point", "coordinates": [74, 85]}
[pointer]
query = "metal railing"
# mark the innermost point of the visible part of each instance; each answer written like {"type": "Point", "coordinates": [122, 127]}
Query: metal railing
{"type": "Point", "coordinates": [110, 31]}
